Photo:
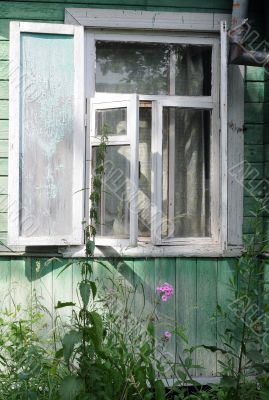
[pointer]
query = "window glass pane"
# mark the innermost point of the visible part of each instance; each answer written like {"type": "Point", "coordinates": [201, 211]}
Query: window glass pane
{"type": "Point", "coordinates": [114, 210]}
{"type": "Point", "coordinates": [193, 71]}
{"type": "Point", "coordinates": [153, 68]}
{"type": "Point", "coordinates": [144, 192]}
{"type": "Point", "coordinates": [113, 120]}
{"type": "Point", "coordinates": [186, 178]}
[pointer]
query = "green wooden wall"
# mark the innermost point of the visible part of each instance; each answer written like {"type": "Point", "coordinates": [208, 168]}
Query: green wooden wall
{"type": "Point", "coordinates": [199, 283]}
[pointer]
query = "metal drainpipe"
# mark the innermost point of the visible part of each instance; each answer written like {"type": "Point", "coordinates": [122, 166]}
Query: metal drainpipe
{"type": "Point", "coordinates": [238, 54]}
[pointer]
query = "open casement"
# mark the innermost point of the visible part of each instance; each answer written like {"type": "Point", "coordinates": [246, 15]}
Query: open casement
{"type": "Point", "coordinates": [117, 117]}
{"type": "Point", "coordinates": [47, 134]}
{"type": "Point", "coordinates": [185, 199]}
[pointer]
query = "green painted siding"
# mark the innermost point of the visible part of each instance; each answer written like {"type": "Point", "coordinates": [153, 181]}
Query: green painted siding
{"type": "Point", "coordinates": [192, 306]}
{"type": "Point", "coordinates": [199, 283]}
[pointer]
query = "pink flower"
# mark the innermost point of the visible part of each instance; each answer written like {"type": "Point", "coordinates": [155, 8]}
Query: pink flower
{"type": "Point", "coordinates": [167, 334]}
{"type": "Point", "coordinates": [165, 291]}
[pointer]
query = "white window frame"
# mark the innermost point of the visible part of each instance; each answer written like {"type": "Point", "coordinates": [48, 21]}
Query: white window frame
{"type": "Point", "coordinates": [130, 102]}
{"type": "Point", "coordinates": [149, 26]}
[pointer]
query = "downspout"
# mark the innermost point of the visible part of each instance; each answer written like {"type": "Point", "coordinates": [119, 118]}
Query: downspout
{"type": "Point", "coordinates": [238, 53]}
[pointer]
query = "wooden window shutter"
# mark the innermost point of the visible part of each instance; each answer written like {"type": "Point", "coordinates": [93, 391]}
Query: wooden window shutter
{"type": "Point", "coordinates": [46, 134]}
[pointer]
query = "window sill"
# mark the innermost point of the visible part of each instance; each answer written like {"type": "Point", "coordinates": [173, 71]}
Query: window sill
{"type": "Point", "coordinates": [145, 250]}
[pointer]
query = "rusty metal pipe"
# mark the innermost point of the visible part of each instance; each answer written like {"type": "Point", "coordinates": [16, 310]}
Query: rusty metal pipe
{"type": "Point", "coordinates": [238, 53]}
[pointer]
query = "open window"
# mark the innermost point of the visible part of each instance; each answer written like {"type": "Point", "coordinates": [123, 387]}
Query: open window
{"type": "Point", "coordinates": [161, 97]}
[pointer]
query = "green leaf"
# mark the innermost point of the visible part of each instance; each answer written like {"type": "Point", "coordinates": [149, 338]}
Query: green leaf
{"type": "Point", "coordinates": [66, 304]}
{"type": "Point", "coordinates": [159, 390]}
{"type": "Point", "coordinates": [90, 246]}
{"type": "Point", "coordinates": [69, 341]}
{"type": "Point", "coordinates": [228, 381]}
{"type": "Point", "coordinates": [151, 328]}
{"type": "Point", "coordinates": [85, 290]}
{"type": "Point", "coordinates": [94, 289]}
{"type": "Point", "coordinates": [59, 353]}
{"type": "Point", "coordinates": [97, 328]}
{"type": "Point", "coordinates": [255, 356]}
{"type": "Point", "coordinates": [71, 387]}
{"type": "Point", "coordinates": [214, 349]}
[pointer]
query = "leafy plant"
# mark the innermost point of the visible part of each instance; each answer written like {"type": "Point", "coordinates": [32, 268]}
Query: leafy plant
{"type": "Point", "coordinates": [244, 368]}
{"type": "Point", "coordinates": [28, 368]}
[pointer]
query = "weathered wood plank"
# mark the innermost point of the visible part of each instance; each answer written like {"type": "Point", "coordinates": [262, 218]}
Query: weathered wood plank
{"type": "Point", "coordinates": [253, 171]}
{"type": "Point", "coordinates": [254, 74]}
{"type": "Point", "coordinates": [3, 203]}
{"type": "Point", "coordinates": [253, 134]}
{"type": "Point", "coordinates": [254, 92]}
{"type": "Point", "coordinates": [4, 90]}
{"type": "Point", "coordinates": [3, 167]}
{"type": "Point", "coordinates": [253, 152]}
{"type": "Point", "coordinates": [218, 4]}
{"type": "Point", "coordinates": [206, 307]}
{"type": "Point", "coordinates": [251, 205]}
{"type": "Point", "coordinates": [5, 283]}
{"type": "Point", "coordinates": [254, 113]}
{"type": "Point", "coordinates": [266, 133]}
{"type": "Point", "coordinates": [42, 289]}
{"type": "Point", "coordinates": [3, 241]}
{"type": "Point", "coordinates": [3, 148]}
{"type": "Point", "coordinates": [144, 284]}
{"type": "Point", "coordinates": [62, 290]}
{"type": "Point", "coordinates": [3, 109]}
{"type": "Point", "coordinates": [4, 47]}
{"type": "Point", "coordinates": [266, 169]}
{"type": "Point", "coordinates": [55, 11]}
{"type": "Point", "coordinates": [253, 187]}
{"type": "Point", "coordinates": [3, 222]}
{"type": "Point", "coordinates": [186, 303]}
{"type": "Point", "coordinates": [3, 185]}
{"type": "Point", "coordinates": [224, 296]}
{"type": "Point", "coordinates": [4, 29]}
{"type": "Point", "coordinates": [266, 112]}
{"type": "Point", "coordinates": [166, 311]}
{"type": "Point", "coordinates": [4, 71]}
{"type": "Point", "coordinates": [20, 283]}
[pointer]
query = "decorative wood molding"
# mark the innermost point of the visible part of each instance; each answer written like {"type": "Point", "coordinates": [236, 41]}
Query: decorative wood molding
{"type": "Point", "coordinates": [152, 20]}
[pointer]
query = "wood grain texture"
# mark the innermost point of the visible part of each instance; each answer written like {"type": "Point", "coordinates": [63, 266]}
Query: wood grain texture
{"type": "Point", "coordinates": [3, 109]}
{"type": "Point", "coordinates": [4, 69]}
{"type": "Point", "coordinates": [254, 113]}
{"type": "Point", "coordinates": [4, 46]}
{"type": "Point", "coordinates": [254, 153]}
{"type": "Point", "coordinates": [253, 134]}
{"type": "Point", "coordinates": [165, 271]}
{"type": "Point", "coordinates": [3, 148]}
{"type": "Point", "coordinates": [254, 92]}
{"type": "Point", "coordinates": [224, 296]}
{"type": "Point", "coordinates": [47, 132]}
{"type": "Point", "coordinates": [3, 167]}
{"type": "Point", "coordinates": [3, 203]}
{"type": "Point", "coordinates": [3, 185]}
{"type": "Point", "coordinates": [20, 284]}
{"type": "Point", "coordinates": [42, 289]}
{"type": "Point", "coordinates": [5, 283]}
{"type": "Point", "coordinates": [186, 304]}
{"type": "Point", "coordinates": [3, 90]}
{"type": "Point", "coordinates": [206, 322]}
{"type": "Point", "coordinates": [255, 74]}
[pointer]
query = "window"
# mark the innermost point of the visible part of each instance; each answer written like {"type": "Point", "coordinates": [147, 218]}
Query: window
{"type": "Point", "coordinates": [162, 98]}
{"type": "Point", "coordinates": [176, 87]}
